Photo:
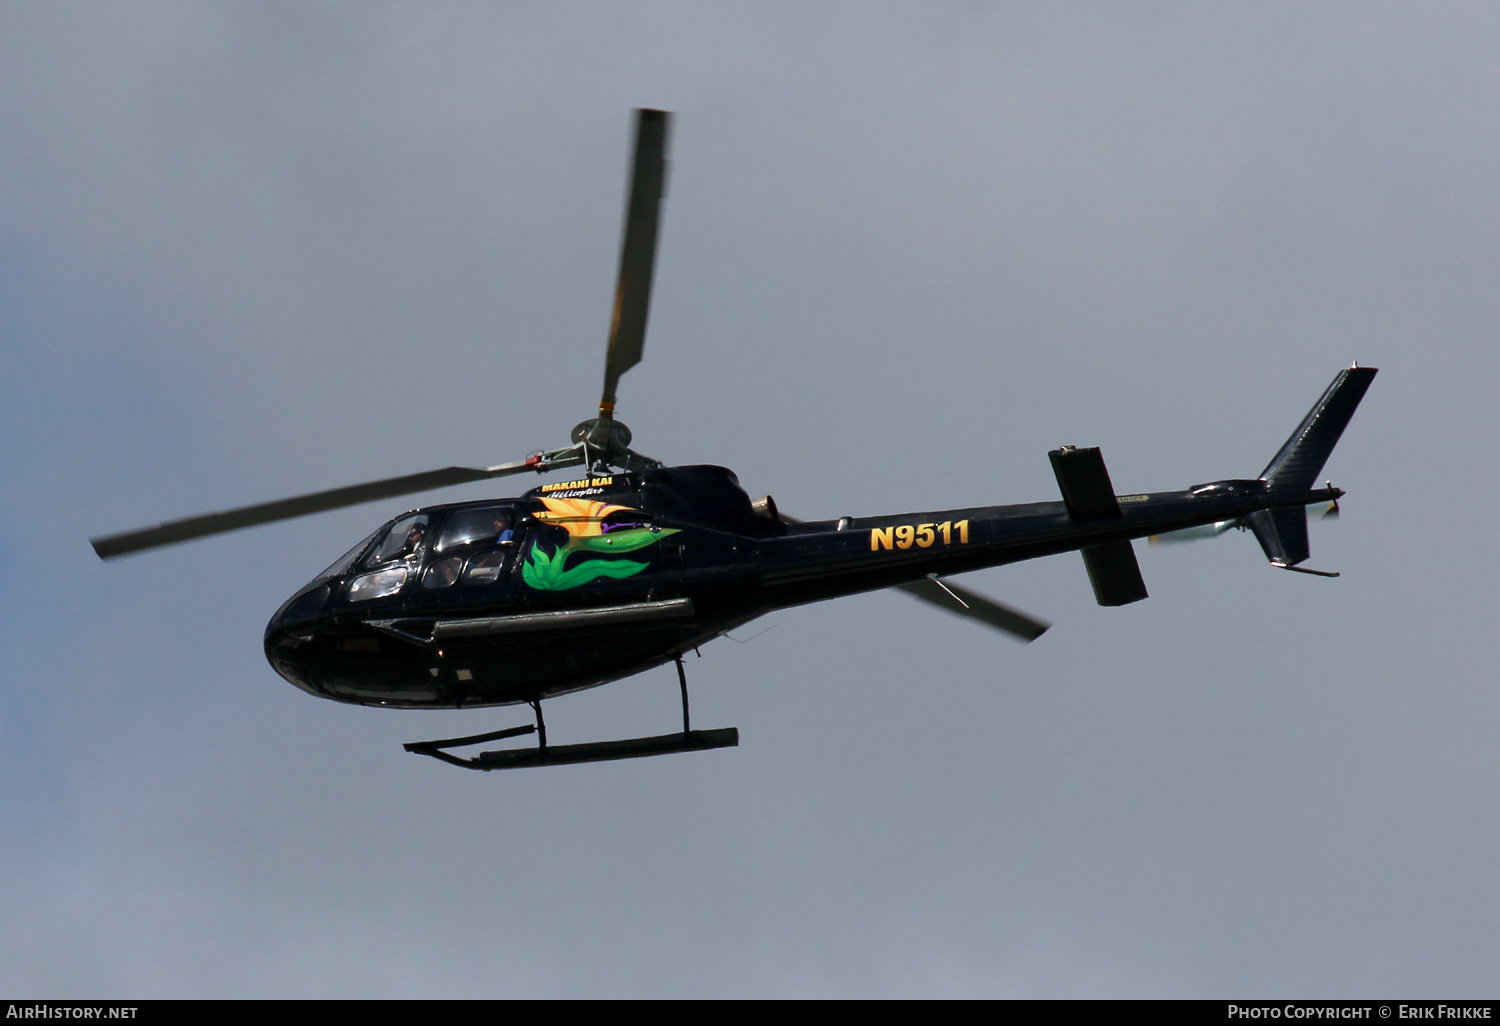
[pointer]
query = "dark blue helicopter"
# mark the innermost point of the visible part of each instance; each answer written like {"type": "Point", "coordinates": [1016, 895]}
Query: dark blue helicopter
{"type": "Point", "coordinates": [582, 582]}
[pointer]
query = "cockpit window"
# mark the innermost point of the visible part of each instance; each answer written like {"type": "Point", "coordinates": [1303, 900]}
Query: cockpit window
{"type": "Point", "coordinates": [492, 524]}
{"type": "Point", "coordinates": [341, 565]}
{"type": "Point", "coordinates": [403, 541]}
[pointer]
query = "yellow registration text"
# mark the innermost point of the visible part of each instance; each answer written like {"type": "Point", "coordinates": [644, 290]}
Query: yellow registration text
{"type": "Point", "coordinates": [923, 536]}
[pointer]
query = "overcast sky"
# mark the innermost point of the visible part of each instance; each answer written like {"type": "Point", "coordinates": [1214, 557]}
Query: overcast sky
{"type": "Point", "coordinates": [249, 250]}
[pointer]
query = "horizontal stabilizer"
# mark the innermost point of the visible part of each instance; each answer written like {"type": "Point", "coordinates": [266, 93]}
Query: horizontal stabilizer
{"type": "Point", "coordinates": [1114, 573]}
{"type": "Point", "coordinates": [1089, 496]}
{"type": "Point", "coordinates": [1085, 485]}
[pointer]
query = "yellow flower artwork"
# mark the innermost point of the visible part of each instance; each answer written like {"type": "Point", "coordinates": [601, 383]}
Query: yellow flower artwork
{"type": "Point", "coordinates": [581, 518]}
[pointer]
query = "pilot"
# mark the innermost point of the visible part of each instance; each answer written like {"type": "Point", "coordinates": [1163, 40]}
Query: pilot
{"type": "Point", "coordinates": [413, 539]}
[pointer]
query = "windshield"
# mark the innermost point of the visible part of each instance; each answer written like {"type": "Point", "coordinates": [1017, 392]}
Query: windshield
{"type": "Point", "coordinates": [403, 540]}
{"type": "Point", "coordinates": [341, 566]}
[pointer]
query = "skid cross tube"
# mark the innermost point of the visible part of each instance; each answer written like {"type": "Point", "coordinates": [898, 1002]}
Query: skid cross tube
{"type": "Point", "coordinates": [682, 681]}
{"type": "Point", "coordinates": [435, 748]}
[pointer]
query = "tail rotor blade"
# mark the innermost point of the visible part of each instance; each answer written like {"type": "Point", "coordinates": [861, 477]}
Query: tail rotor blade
{"type": "Point", "coordinates": [627, 334]}
{"type": "Point", "coordinates": [1332, 511]}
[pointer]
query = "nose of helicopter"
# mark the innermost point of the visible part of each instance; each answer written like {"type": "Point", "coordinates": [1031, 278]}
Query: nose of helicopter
{"type": "Point", "coordinates": [300, 613]}
{"type": "Point", "coordinates": [290, 632]}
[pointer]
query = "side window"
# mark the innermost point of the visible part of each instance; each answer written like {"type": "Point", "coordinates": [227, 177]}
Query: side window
{"type": "Point", "coordinates": [474, 547]}
{"type": "Point", "coordinates": [493, 525]}
{"type": "Point", "coordinates": [443, 573]}
{"type": "Point", "coordinates": [487, 567]}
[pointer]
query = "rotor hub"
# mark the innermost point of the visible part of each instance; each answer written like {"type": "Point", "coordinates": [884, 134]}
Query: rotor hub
{"type": "Point", "coordinates": [604, 433]}
{"type": "Point", "coordinates": [607, 444]}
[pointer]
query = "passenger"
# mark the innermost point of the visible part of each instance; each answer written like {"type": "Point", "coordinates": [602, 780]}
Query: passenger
{"type": "Point", "coordinates": [503, 533]}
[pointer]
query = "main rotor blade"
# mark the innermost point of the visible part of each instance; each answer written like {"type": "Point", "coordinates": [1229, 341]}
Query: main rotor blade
{"type": "Point", "coordinates": [284, 509]}
{"type": "Point", "coordinates": [975, 606]}
{"type": "Point", "coordinates": [627, 331]}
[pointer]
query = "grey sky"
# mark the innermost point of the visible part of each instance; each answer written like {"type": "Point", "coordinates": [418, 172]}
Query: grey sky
{"type": "Point", "coordinates": [249, 250]}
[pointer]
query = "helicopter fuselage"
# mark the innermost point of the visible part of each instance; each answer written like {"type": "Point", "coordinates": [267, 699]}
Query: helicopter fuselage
{"type": "Point", "coordinates": [581, 583]}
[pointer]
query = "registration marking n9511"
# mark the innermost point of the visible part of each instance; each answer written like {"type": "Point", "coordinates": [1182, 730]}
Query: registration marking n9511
{"type": "Point", "coordinates": [923, 536]}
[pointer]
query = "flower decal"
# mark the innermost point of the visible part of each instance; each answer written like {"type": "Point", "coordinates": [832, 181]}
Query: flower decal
{"type": "Point", "coordinates": [587, 532]}
{"type": "Point", "coordinates": [581, 518]}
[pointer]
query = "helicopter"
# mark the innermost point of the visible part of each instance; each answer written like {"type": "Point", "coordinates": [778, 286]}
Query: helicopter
{"type": "Point", "coordinates": [633, 563]}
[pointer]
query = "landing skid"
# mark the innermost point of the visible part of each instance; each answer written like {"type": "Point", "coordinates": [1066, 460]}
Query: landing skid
{"type": "Point", "coordinates": [560, 755]}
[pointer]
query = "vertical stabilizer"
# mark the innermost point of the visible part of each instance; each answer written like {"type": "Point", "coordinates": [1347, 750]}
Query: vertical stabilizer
{"type": "Point", "coordinates": [1296, 467]}
{"type": "Point", "coordinates": [1282, 531]}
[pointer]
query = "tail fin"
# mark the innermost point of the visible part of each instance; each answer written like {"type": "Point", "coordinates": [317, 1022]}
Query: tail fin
{"type": "Point", "coordinates": [1282, 531]}
{"type": "Point", "coordinates": [1296, 467]}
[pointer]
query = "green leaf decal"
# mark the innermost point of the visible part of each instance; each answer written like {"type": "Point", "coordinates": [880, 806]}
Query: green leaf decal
{"type": "Point", "coordinates": [621, 541]}
{"type": "Point", "coordinates": [549, 571]}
